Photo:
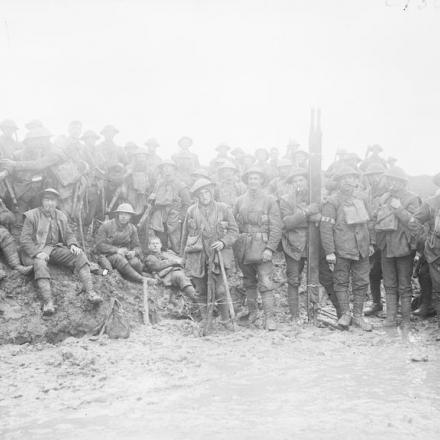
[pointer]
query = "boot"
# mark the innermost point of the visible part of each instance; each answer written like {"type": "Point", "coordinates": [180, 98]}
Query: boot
{"type": "Point", "coordinates": [86, 280]}
{"type": "Point", "coordinates": [46, 294]}
{"type": "Point", "coordinates": [268, 308]}
{"type": "Point", "coordinates": [223, 308]}
{"type": "Point", "coordinates": [345, 319]}
{"type": "Point", "coordinates": [334, 300]}
{"type": "Point", "coordinates": [406, 311]}
{"type": "Point", "coordinates": [358, 305]}
{"type": "Point", "coordinates": [128, 272]}
{"type": "Point", "coordinates": [293, 301]}
{"type": "Point", "coordinates": [12, 258]}
{"type": "Point", "coordinates": [391, 304]}
{"type": "Point", "coordinates": [373, 309]}
{"type": "Point", "coordinates": [425, 309]}
{"type": "Point", "coordinates": [251, 295]}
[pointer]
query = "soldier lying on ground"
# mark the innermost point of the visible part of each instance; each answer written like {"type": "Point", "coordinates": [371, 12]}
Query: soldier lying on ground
{"type": "Point", "coordinates": [46, 237]}
{"type": "Point", "coordinates": [117, 244]}
{"type": "Point", "coordinates": [169, 268]}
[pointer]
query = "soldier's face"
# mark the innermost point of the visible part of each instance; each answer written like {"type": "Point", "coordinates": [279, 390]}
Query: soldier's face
{"type": "Point", "coordinates": [124, 218]}
{"type": "Point", "coordinates": [349, 183]}
{"type": "Point", "coordinates": [204, 196]}
{"type": "Point", "coordinates": [155, 245]}
{"type": "Point", "coordinates": [167, 170]}
{"type": "Point", "coordinates": [284, 171]}
{"type": "Point", "coordinates": [255, 181]}
{"type": "Point", "coordinates": [75, 131]}
{"type": "Point", "coordinates": [49, 204]}
{"type": "Point", "coordinates": [300, 183]}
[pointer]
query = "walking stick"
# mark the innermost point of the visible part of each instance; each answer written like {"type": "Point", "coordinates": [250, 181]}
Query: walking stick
{"type": "Point", "coordinates": [228, 292]}
{"type": "Point", "coordinates": [146, 305]}
{"type": "Point", "coordinates": [210, 296]}
{"type": "Point", "coordinates": [80, 224]}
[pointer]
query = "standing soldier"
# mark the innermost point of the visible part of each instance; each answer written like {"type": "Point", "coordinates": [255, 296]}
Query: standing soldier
{"type": "Point", "coordinates": [348, 243]}
{"type": "Point", "coordinates": [301, 158]}
{"type": "Point", "coordinates": [237, 157]}
{"type": "Point", "coordinates": [73, 140]}
{"type": "Point", "coordinates": [291, 147]}
{"type": "Point", "coordinates": [296, 213]}
{"type": "Point", "coordinates": [259, 222]}
{"type": "Point", "coordinates": [282, 184]}
{"type": "Point", "coordinates": [185, 160]}
{"type": "Point", "coordinates": [429, 214]}
{"type": "Point", "coordinates": [262, 162]}
{"type": "Point", "coordinates": [209, 229]}
{"type": "Point", "coordinates": [171, 200]}
{"type": "Point", "coordinates": [396, 243]}
{"type": "Point", "coordinates": [228, 188]}
{"type": "Point", "coordinates": [8, 140]}
{"type": "Point", "coordinates": [153, 159]}
{"type": "Point", "coordinates": [222, 156]}
{"type": "Point", "coordinates": [374, 189]}
{"type": "Point", "coordinates": [117, 244]}
{"type": "Point", "coordinates": [47, 238]}
{"type": "Point", "coordinates": [111, 153]}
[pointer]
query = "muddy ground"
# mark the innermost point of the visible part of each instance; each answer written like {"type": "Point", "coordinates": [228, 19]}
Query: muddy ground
{"type": "Point", "coordinates": [166, 383]}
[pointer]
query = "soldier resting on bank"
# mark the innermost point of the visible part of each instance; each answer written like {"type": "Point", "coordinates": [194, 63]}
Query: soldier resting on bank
{"type": "Point", "coordinates": [46, 237]}
{"type": "Point", "coordinates": [117, 243]}
{"type": "Point", "coordinates": [169, 267]}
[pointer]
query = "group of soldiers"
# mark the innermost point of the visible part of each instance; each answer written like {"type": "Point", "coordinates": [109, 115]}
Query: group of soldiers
{"type": "Point", "coordinates": [189, 226]}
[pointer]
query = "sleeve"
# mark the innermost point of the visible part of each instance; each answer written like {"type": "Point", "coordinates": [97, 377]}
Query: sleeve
{"type": "Point", "coordinates": [405, 213]}
{"type": "Point", "coordinates": [423, 213]}
{"type": "Point", "coordinates": [328, 220]}
{"type": "Point", "coordinates": [232, 233]}
{"type": "Point", "coordinates": [135, 244]}
{"type": "Point", "coordinates": [275, 225]}
{"type": "Point", "coordinates": [103, 244]}
{"type": "Point", "coordinates": [290, 218]}
{"type": "Point", "coordinates": [156, 265]}
{"type": "Point", "coordinates": [26, 241]}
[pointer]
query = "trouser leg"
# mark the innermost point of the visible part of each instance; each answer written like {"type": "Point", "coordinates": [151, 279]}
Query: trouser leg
{"type": "Point", "coordinates": [404, 272]}
{"type": "Point", "coordinates": [250, 286]}
{"type": "Point", "coordinates": [341, 278]}
{"type": "Point", "coordinates": [434, 270]}
{"type": "Point", "coordinates": [293, 270]}
{"type": "Point", "coordinates": [9, 248]}
{"type": "Point", "coordinates": [123, 266]}
{"type": "Point", "coordinates": [375, 281]}
{"type": "Point", "coordinates": [390, 282]}
{"type": "Point", "coordinates": [265, 286]}
{"type": "Point", "coordinates": [360, 279]}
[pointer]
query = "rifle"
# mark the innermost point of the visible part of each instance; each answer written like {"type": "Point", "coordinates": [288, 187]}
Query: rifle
{"type": "Point", "coordinates": [210, 296]}
{"type": "Point", "coordinates": [228, 292]}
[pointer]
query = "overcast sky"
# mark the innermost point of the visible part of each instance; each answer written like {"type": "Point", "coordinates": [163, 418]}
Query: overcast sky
{"type": "Point", "coordinates": [245, 72]}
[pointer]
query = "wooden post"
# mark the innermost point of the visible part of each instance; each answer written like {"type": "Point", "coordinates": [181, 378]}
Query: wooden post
{"type": "Point", "coordinates": [313, 250]}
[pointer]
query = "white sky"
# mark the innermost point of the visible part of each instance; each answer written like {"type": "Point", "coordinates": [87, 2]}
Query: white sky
{"type": "Point", "coordinates": [245, 72]}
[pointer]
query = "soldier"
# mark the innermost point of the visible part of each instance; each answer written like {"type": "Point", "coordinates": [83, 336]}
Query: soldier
{"type": "Point", "coordinates": [296, 212]}
{"type": "Point", "coordinates": [47, 238]}
{"type": "Point", "coordinates": [274, 158]}
{"type": "Point", "coordinates": [429, 214]}
{"type": "Point", "coordinates": [262, 162]}
{"type": "Point", "coordinates": [396, 243]}
{"type": "Point", "coordinates": [200, 173]}
{"type": "Point", "coordinates": [171, 199]}
{"type": "Point", "coordinates": [291, 147]}
{"type": "Point", "coordinates": [348, 242]}
{"type": "Point", "coordinates": [169, 268]}
{"type": "Point", "coordinates": [238, 155]}
{"type": "Point", "coordinates": [130, 150]}
{"type": "Point", "coordinates": [209, 228]}
{"type": "Point", "coordinates": [228, 188]}
{"type": "Point", "coordinates": [301, 158]}
{"type": "Point", "coordinates": [29, 170]}
{"type": "Point", "coordinates": [117, 244]}
{"type": "Point", "coordinates": [74, 131]}
{"type": "Point", "coordinates": [248, 161]}
{"type": "Point", "coordinates": [222, 156]}
{"type": "Point", "coordinates": [259, 222]}
{"type": "Point", "coordinates": [185, 160]}
{"type": "Point", "coordinates": [374, 189]}
{"type": "Point", "coordinates": [153, 159]}
{"type": "Point", "coordinates": [111, 153]}
{"type": "Point", "coordinates": [7, 243]}
{"type": "Point", "coordinates": [8, 140]}
{"type": "Point", "coordinates": [282, 184]}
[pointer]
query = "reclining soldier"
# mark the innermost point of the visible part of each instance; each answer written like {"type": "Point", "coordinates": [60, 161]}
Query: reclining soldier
{"type": "Point", "coordinates": [46, 238]}
{"type": "Point", "coordinates": [169, 268]}
{"type": "Point", "coordinates": [117, 242]}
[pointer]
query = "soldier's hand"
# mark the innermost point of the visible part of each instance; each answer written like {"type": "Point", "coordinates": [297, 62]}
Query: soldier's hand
{"type": "Point", "coordinates": [313, 209]}
{"type": "Point", "coordinates": [331, 258]}
{"type": "Point", "coordinates": [371, 250]}
{"type": "Point", "coordinates": [130, 254]}
{"type": "Point", "coordinates": [75, 250]}
{"type": "Point", "coordinates": [122, 251]}
{"type": "Point", "coordinates": [43, 256]}
{"type": "Point", "coordinates": [217, 245]}
{"type": "Point", "coordinates": [315, 217]}
{"type": "Point", "coordinates": [395, 203]}
{"type": "Point", "coordinates": [267, 255]}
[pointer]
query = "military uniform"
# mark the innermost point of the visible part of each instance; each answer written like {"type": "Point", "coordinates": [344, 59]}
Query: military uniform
{"type": "Point", "coordinates": [228, 188]}
{"type": "Point", "coordinates": [111, 237]}
{"type": "Point", "coordinates": [50, 234]}
{"type": "Point", "coordinates": [171, 199]}
{"type": "Point", "coordinates": [259, 222]}
{"type": "Point", "coordinates": [203, 226]}
{"type": "Point", "coordinates": [346, 231]}
{"type": "Point", "coordinates": [397, 246]}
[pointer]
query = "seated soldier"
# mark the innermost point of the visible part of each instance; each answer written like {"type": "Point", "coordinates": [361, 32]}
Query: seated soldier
{"type": "Point", "coordinates": [7, 243]}
{"type": "Point", "coordinates": [169, 267]}
{"type": "Point", "coordinates": [117, 242]}
{"type": "Point", "coordinates": [46, 237]}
